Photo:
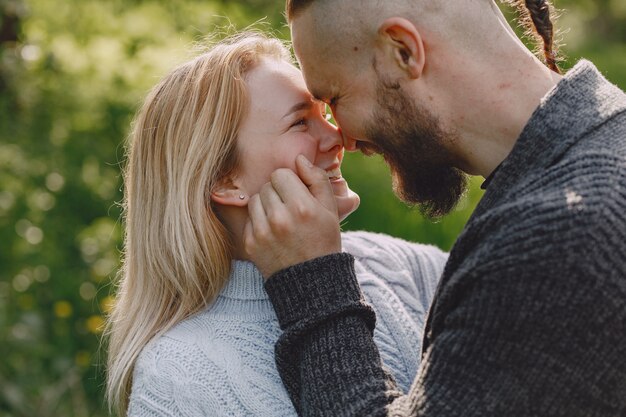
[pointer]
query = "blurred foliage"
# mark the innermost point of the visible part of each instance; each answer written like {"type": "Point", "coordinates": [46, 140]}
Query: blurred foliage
{"type": "Point", "coordinates": [72, 72]}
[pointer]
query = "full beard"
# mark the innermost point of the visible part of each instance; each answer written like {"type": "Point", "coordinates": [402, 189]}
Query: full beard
{"type": "Point", "coordinates": [411, 141]}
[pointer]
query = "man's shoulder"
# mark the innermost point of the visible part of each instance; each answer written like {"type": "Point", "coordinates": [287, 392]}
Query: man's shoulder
{"type": "Point", "coordinates": [570, 224]}
{"type": "Point", "coordinates": [576, 206]}
{"type": "Point", "coordinates": [584, 183]}
{"type": "Point", "coordinates": [587, 184]}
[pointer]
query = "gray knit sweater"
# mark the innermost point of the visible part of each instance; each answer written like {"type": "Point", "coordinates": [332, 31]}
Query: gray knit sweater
{"type": "Point", "coordinates": [529, 318]}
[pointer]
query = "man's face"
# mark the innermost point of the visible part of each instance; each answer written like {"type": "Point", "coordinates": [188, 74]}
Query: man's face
{"type": "Point", "coordinates": [410, 139]}
{"type": "Point", "coordinates": [377, 117]}
{"type": "Point", "coordinates": [347, 87]}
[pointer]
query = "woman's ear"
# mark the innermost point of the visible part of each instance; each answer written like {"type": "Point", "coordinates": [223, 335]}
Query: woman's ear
{"type": "Point", "coordinates": [226, 193]}
{"type": "Point", "coordinates": [404, 44]}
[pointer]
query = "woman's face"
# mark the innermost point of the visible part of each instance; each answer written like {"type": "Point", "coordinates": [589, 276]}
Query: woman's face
{"type": "Point", "coordinates": [284, 121]}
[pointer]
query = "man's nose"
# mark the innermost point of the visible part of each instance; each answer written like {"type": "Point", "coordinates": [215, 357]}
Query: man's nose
{"type": "Point", "coordinates": [349, 143]}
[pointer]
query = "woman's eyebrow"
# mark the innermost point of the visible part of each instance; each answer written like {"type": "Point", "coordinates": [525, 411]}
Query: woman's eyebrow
{"type": "Point", "coordinates": [303, 105]}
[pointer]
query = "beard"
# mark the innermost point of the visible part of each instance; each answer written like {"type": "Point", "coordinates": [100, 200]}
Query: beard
{"type": "Point", "coordinates": [411, 140]}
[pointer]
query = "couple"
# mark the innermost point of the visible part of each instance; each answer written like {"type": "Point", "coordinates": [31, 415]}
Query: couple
{"type": "Point", "coordinates": [233, 176]}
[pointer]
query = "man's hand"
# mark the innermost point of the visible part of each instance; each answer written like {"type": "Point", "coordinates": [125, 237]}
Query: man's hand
{"type": "Point", "coordinates": [292, 219]}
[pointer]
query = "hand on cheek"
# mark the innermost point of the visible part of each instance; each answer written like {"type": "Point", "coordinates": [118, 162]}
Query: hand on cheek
{"type": "Point", "coordinates": [293, 219]}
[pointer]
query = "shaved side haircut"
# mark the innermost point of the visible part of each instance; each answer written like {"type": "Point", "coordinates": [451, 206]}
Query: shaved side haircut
{"type": "Point", "coordinates": [294, 7]}
{"type": "Point", "coordinates": [535, 16]}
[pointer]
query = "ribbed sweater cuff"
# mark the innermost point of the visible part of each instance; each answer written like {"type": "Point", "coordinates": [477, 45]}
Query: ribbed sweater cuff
{"type": "Point", "coordinates": [315, 289]}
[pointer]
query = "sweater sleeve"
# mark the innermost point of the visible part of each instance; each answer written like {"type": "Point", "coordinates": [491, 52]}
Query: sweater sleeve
{"type": "Point", "coordinates": [326, 355]}
{"type": "Point", "coordinates": [527, 335]}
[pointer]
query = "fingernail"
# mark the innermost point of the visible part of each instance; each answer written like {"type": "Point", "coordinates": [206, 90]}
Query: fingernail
{"type": "Point", "coordinates": [305, 161]}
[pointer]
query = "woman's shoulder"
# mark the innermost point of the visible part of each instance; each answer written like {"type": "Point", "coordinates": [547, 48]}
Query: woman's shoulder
{"type": "Point", "coordinates": [389, 268]}
{"type": "Point", "coordinates": [207, 337]}
{"type": "Point", "coordinates": [183, 341]}
{"type": "Point", "coordinates": [164, 375]}
{"type": "Point", "coordinates": [212, 367]}
{"type": "Point", "coordinates": [176, 352]}
{"type": "Point", "coordinates": [392, 252]}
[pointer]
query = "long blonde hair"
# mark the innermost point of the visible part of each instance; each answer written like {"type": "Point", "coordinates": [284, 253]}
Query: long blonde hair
{"type": "Point", "coordinates": [177, 253]}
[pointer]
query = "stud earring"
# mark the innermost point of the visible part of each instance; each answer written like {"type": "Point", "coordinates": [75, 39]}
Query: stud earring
{"type": "Point", "coordinates": [242, 197]}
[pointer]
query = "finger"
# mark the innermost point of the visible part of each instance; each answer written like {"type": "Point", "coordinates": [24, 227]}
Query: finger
{"type": "Point", "coordinates": [248, 237]}
{"type": "Point", "coordinates": [290, 188]}
{"type": "Point", "coordinates": [276, 211]}
{"type": "Point", "coordinates": [270, 199]}
{"type": "Point", "coordinates": [258, 218]}
{"type": "Point", "coordinates": [317, 182]}
{"type": "Point", "coordinates": [346, 204]}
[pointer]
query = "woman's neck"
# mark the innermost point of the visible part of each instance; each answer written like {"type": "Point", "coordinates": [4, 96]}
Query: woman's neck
{"type": "Point", "coordinates": [235, 218]}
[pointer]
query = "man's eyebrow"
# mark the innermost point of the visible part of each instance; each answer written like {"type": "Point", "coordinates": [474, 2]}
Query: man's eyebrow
{"type": "Point", "coordinates": [303, 105]}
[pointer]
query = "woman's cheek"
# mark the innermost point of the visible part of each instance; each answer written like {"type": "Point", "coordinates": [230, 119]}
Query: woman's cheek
{"type": "Point", "coordinates": [310, 152]}
{"type": "Point", "coordinates": [285, 152]}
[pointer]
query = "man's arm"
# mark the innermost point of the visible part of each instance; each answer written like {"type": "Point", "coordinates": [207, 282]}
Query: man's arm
{"type": "Point", "coordinates": [534, 343]}
{"type": "Point", "coordinates": [327, 345]}
{"type": "Point", "coordinates": [529, 324]}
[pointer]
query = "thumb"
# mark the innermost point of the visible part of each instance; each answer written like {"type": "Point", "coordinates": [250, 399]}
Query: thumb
{"type": "Point", "coordinates": [248, 237]}
{"type": "Point", "coordinates": [317, 182]}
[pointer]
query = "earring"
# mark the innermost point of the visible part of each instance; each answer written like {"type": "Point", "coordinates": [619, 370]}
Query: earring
{"type": "Point", "coordinates": [242, 197]}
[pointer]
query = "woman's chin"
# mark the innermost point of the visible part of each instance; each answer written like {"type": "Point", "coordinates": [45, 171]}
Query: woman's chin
{"type": "Point", "coordinates": [347, 200]}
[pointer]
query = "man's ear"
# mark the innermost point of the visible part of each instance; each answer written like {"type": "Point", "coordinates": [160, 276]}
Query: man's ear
{"type": "Point", "coordinates": [402, 41]}
{"type": "Point", "coordinates": [226, 193]}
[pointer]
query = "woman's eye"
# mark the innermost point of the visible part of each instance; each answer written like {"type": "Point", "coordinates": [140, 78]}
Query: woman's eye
{"type": "Point", "coordinates": [300, 122]}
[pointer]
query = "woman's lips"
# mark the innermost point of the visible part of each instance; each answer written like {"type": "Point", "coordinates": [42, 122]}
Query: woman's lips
{"type": "Point", "coordinates": [334, 174]}
{"type": "Point", "coordinates": [340, 186]}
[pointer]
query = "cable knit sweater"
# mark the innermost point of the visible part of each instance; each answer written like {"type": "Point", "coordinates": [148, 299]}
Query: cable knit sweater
{"type": "Point", "coordinates": [220, 362]}
{"type": "Point", "coordinates": [529, 318]}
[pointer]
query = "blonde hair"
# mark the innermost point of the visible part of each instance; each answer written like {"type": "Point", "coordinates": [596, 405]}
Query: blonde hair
{"type": "Point", "coordinates": [177, 253]}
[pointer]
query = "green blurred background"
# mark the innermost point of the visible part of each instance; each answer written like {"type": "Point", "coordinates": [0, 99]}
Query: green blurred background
{"type": "Point", "coordinates": [72, 72]}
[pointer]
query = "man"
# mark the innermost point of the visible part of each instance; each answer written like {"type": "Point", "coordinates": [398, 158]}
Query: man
{"type": "Point", "coordinates": [530, 315]}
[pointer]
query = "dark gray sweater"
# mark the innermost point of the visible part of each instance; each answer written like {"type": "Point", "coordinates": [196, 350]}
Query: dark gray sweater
{"type": "Point", "coordinates": [529, 318]}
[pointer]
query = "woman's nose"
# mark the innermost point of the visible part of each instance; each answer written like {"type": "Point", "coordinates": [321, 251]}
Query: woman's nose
{"type": "Point", "coordinates": [330, 139]}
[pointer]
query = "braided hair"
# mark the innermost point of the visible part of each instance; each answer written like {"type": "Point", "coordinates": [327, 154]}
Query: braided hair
{"type": "Point", "coordinates": [535, 16]}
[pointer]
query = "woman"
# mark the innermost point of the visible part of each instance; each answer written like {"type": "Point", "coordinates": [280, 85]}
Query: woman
{"type": "Point", "coordinates": [192, 332]}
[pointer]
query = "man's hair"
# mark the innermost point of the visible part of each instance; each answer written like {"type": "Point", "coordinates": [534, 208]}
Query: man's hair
{"type": "Point", "coordinates": [535, 16]}
{"type": "Point", "coordinates": [293, 7]}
